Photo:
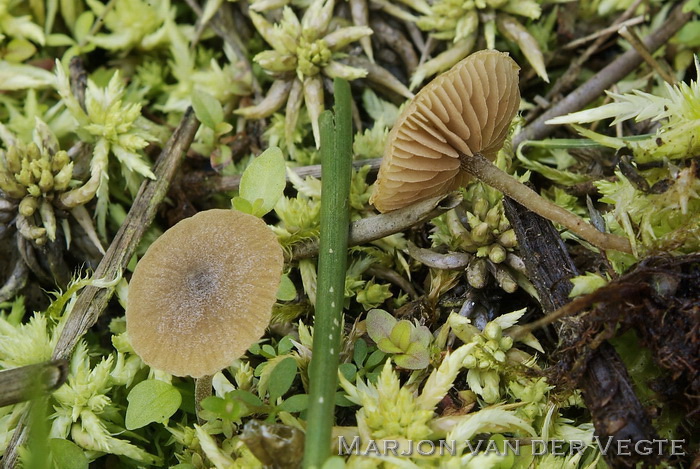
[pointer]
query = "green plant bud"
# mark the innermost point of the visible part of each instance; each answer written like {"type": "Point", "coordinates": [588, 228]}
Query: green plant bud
{"type": "Point", "coordinates": [506, 343]}
{"type": "Point", "coordinates": [493, 217]}
{"type": "Point", "coordinates": [500, 356]}
{"type": "Point", "coordinates": [470, 361]}
{"type": "Point", "coordinates": [508, 239]}
{"type": "Point", "coordinates": [477, 273]}
{"type": "Point", "coordinates": [497, 254]}
{"type": "Point", "coordinates": [63, 177]}
{"type": "Point", "coordinates": [491, 346]}
{"type": "Point", "coordinates": [24, 177]}
{"type": "Point", "coordinates": [46, 181]}
{"type": "Point", "coordinates": [35, 170]}
{"type": "Point", "coordinates": [9, 185]}
{"type": "Point", "coordinates": [484, 365]}
{"type": "Point", "coordinates": [493, 331]}
{"type": "Point", "coordinates": [28, 206]}
{"type": "Point", "coordinates": [14, 161]}
{"type": "Point", "coordinates": [480, 234]}
{"type": "Point", "coordinates": [33, 152]}
{"type": "Point", "coordinates": [48, 219]}
{"type": "Point", "coordinates": [491, 382]}
{"type": "Point", "coordinates": [275, 62]}
{"type": "Point", "coordinates": [504, 225]}
{"type": "Point", "coordinates": [505, 280]}
{"type": "Point", "coordinates": [340, 38]}
{"type": "Point", "coordinates": [481, 207]}
{"type": "Point", "coordinates": [34, 190]}
{"type": "Point", "coordinates": [59, 160]}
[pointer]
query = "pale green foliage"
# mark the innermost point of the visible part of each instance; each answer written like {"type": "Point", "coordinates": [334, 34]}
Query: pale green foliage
{"type": "Point", "coordinates": [262, 183]}
{"type": "Point", "coordinates": [371, 142]}
{"type": "Point", "coordinates": [678, 109]}
{"type": "Point", "coordinates": [481, 228]}
{"type": "Point", "coordinates": [134, 24]}
{"type": "Point", "coordinates": [196, 69]}
{"type": "Point", "coordinates": [14, 24]}
{"type": "Point", "coordinates": [409, 343]}
{"type": "Point", "coordinates": [587, 283]}
{"type": "Point", "coordinates": [388, 409]}
{"type": "Point", "coordinates": [82, 407]}
{"type": "Point", "coordinates": [114, 127]}
{"type": "Point", "coordinates": [35, 174]}
{"type": "Point", "coordinates": [303, 49]}
{"type": "Point", "coordinates": [460, 22]}
{"type": "Point", "coordinates": [667, 220]}
{"type": "Point", "coordinates": [488, 360]}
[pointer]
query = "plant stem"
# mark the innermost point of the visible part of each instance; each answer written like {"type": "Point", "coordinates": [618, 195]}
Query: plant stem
{"type": "Point", "coordinates": [202, 390]}
{"type": "Point", "coordinates": [487, 172]}
{"type": "Point", "coordinates": [336, 160]}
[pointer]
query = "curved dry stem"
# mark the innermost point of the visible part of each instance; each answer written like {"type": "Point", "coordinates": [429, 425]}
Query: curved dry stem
{"type": "Point", "coordinates": [485, 171]}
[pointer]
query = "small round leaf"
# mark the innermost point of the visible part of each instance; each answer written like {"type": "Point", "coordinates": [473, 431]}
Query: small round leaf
{"type": "Point", "coordinates": [151, 401]}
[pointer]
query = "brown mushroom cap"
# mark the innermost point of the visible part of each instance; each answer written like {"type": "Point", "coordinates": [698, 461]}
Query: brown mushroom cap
{"type": "Point", "coordinates": [465, 110]}
{"type": "Point", "coordinates": [203, 292]}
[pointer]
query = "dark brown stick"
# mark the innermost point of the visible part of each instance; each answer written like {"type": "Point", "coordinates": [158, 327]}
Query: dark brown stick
{"type": "Point", "coordinates": [616, 411]}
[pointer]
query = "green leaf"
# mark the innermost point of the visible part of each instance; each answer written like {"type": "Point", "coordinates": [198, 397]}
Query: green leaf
{"type": "Point", "coordinates": [587, 283]}
{"type": "Point", "coordinates": [348, 370]}
{"type": "Point", "coordinates": [375, 359]}
{"type": "Point", "coordinates": [268, 351]}
{"type": "Point", "coordinates": [247, 397]}
{"type": "Point", "coordinates": [264, 179]}
{"type": "Point", "coordinates": [282, 377]}
{"type": "Point", "coordinates": [67, 455]}
{"type": "Point", "coordinates": [401, 334]}
{"type": "Point", "coordinates": [207, 109]}
{"type": "Point", "coordinates": [379, 324]}
{"type": "Point", "coordinates": [297, 403]}
{"type": "Point", "coordinates": [83, 25]}
{"type": "Point", "coordinates": [334, 462]}
{"type": "Point", "coordinates": [229, 408]}
{"type": "Point", "coordinates": [342, 401]}
{"type": "Point", "coordinates": [151, 401]}
{"type": "Point", "coordinates": [242, 205]}
{"type": "Point", "coordinates": [286, 291]}
{"type": "Point", "coordinates": [359, 353]}
{"type": "Point", "coordinates": [415, 361]}
{"type": "Point", "coordinates": [388, 346]}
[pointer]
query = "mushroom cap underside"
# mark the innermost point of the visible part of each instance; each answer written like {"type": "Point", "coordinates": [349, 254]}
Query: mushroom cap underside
{"type": "Point", "coordinates": [466, 110]}
{"type": "Point", "coordinates": [203, 292]}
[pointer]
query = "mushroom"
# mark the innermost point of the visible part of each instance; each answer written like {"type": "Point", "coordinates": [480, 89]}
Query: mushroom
{"type": "Point", "coordinates": [203, 292]}
{"type": "Point", "coordinates": [452, 130]}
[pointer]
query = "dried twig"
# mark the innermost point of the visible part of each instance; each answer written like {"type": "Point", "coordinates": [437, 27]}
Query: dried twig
{"type": "Point", "coordinates": [372, 228]}
{"type": "Point", "coordinates": [631, 36]}
{"type": "Point", "coordinates": [27, 382]}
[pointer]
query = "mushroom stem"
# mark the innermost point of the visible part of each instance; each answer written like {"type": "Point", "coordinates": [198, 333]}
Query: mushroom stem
{"type": "Point", "coordinates": [487, 172]}
{"type": "Point", "coordinates": [202, 390]}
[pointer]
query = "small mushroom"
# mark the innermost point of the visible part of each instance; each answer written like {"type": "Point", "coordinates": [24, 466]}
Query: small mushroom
{"type": "Point", "coordinates": [203, 292]}
{"type": "Point", "coordinates": [452, 130]}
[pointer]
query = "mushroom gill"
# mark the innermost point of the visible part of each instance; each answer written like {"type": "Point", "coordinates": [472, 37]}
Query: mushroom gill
{"type": "Point", "coordinates": [203, 292]}
{"type": "Point", "coordinates": [452, 131]}
{"type": "Point", "coordinates": [464, 111]}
